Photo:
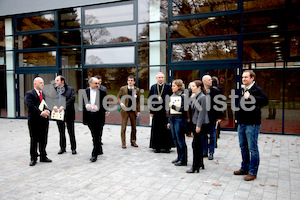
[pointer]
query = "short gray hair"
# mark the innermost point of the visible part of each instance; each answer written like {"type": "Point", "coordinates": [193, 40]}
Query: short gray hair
{"type": "Point", "coordinates": [91, 79]}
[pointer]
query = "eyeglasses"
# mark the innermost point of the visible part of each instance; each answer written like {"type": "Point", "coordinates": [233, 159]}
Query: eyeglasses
{"type": "Point", "coordinates": [96, 83]}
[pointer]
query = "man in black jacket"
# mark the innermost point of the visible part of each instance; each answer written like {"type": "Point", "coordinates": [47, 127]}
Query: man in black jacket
{"type": "Point", "coordinates": [93, 115]}
{"type": "Point", "coordinates": [68, 93]}
{"type": "Point", "coordinates": [38, 122]}
{"type": "Point", "coordinates": [251, 99]}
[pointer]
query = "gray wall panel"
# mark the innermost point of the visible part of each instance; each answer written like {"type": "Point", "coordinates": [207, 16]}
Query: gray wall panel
{"type": "Point", "coordinates": [13, 7]}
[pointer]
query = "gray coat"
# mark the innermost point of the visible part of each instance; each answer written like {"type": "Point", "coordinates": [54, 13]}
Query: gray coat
{"type": "Point", "coordinates": [198, 110]}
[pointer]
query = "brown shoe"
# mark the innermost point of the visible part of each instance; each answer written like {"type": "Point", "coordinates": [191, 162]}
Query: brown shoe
{"type": "Point", "coordinates": [249, 177]}
{"type": "Point", "coordinates": [134, 144]}
{"type": "Point", "coordinates": [123, 146]}
{"type": "Point", "coordinates": [240, 172]}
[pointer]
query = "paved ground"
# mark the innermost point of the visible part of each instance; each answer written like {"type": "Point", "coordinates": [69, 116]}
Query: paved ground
{"type": "Point", "coordinates": [138, 173]}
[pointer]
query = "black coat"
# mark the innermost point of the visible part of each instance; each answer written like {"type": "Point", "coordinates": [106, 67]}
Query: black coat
{"type": "Point", "coordinates": [153, 91]}
{"type": "Point", "coordinates": [100, 114]}
{"type": "Point", "coordinates": [252, 117]}
{"type": "Point", "coordinates": [70, 96]}
{"type": "Point", "coordinates": [32, 100]}
{"type": "Point", "coordinates": [213, 114]}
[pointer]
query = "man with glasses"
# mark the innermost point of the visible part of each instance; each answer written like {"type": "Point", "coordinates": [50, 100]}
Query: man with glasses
{"type": "Point", "coordinates": [129, 100]}
{"type": "Point", "coordinates": [92, 115]}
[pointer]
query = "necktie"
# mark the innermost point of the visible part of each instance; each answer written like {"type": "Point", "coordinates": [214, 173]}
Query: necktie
{"type": "Point", "coordinates": [41, 97]}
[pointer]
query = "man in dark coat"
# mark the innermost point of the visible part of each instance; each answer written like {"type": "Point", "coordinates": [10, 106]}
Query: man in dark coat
{"type": "Point", "coordinates": [161, 138]}
{"type": "Point", "coordinates": [93, 115]}
{"type": "Point", "coordinates": [68, 93]}
{"type": "Point", "coordinates": [38, 122]}
{"type": "Point", "coordinates": [251, 100]}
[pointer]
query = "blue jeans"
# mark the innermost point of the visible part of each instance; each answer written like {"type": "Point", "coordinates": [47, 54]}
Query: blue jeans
{"type": "Point", "coordinates": [177, 129]}
{"type": "Point", "coordinates": [212, 140]}
{"type": "Point", "coordinates": [248, 136]}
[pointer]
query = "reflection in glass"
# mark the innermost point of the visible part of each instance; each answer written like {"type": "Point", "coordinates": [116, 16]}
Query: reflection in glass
{"type": "Point", "coordinates": [38, 22]}
{"type": "Point", "coordinates": [212, 50]}
{"type": "Point", "coordinates": [263, 21]}
{"type": "Point", "coordinates": [263, 48]}
{"type": "Point", "coordinates": [226, 79]}
{"type": "Point", "coordinates": [2, 43]}
{"type": "Point", "coordinates": [186, 76]}
{"type": "Point", "coordinates": [144, 52]}
{"type": "Point", "coordinates": [143, 31]}
{"type": "Point", "coordinates": [70, 38]}
{"type": "Point", "coordinates": [25, 82]}
{"type": "Point", "coordinates": [71, 58]}
{"type": "Point", "coordinates": [224, 25]}
{"type": "Point", "coordinates": [295, 46]}
{"type": "Point", "coordinates": [3, 91]}
{"type": "Point", "coordinates": [2, 26]}
{"type": "Point", "coordinates": [35, 59]}
{"type": "Point", "coordinates": [292, 96]}
{"type": "Point", "coordinates": [262, 5]}
{"type": "Point", "coordinates": [36, 41]}
{"type": "Point", "coordinates": [69, 18]}
{"type": "Point", "coordinates": [74, 79]}
{"type": "Point", "coordinates": [183, 7]}
{"type": "Point", "coordinates": [143, 82]}
{"type": "Point", "coordinates": [110, 14]}
{"type": "Point", "coordinates": [120, 55]}
{"type": "Point", "coordinates": [161, 13]}
{"type": "Point", "coordinates": [2, 60]}
{"type": "Point", "coordinates": [109, 35]}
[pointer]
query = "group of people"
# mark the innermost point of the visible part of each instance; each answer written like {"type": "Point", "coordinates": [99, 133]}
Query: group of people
{"type": "Point", "coordinates": [171, 109]}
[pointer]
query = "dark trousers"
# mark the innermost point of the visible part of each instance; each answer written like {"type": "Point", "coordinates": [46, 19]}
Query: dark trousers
{"type": "Point", "coordinates": [38, 131]}
{"type": "Point", "coordinates": [95, 127]}
{"type": "Point", "coordinates": [132, 116]}
{"type": "Point", "coordinates": [62, 134]}
{"type": "Point", "coordinates": [197, 146]}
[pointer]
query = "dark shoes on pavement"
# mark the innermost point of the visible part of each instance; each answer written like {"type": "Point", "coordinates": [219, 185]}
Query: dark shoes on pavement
{"type": "Point", "coordinates": [45, 159]}
{"type": "Point", "coordinates": [134, 144]}
{"type": "Point", "coordinates": [61, 151]}
{"type": "Point", "coordinates": [249, 177]}
{"type": "Point", "coordinates": [240, 172]}
{"type": "Point", "coordinates": [210, 157]}
{"type": "Point", "coordinates": [32, 163]}
{"type": "Point", "coordinates": [93, 159]}
{"type": "Point", "coordinates": [74, 152]}
{"type": "Point", "coordinates": [180, 163]}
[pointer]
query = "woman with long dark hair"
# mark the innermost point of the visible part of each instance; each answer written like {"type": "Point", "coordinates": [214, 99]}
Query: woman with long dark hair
{"type": "Point", "coordinates": [200, 120]}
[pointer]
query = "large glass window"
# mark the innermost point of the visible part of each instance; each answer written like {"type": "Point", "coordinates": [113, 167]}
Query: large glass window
{"type": "Point", "coordinates": [121, 55]}
{"type": "Point", "coordinates": [36, 41]}
{"type": "Point", "coordinates": [71, 57]}
{"type": "Point", "coordinates": [2, 43]}
{"type": "Point", "coordinates": [224, 25]}
{"type": "Point", "coordinates": [183, 7]}
{"type": "Point", "coordinates": [295, 46]}
{"type": "Point", "coordinates": [109, 14]}
{"type": "Point", "coordinates": [38, 22]}
{"type": "Point", "coordinates": [109, 35]}
{"type": "Point", "coordinates": [152, 10]}
{"type": "Point", "coordinates": [2, 26]}
{"type": "Point", "coordinates": [153, 31]}
{"type": "Point", "coordinates": [3, 97]}
{"type": "Point", "coordinates": [263, 48]}
{"type": "Point", "coordinates": [211, 50]}
{"type": "Point", "coordinates": [158, 50]}
{"type": "Point", "coordinates": [36, 59]}
{"type": "Point", "coordinates": [2, 59]}
{"type": "Point", "coordinates": [69, 18]}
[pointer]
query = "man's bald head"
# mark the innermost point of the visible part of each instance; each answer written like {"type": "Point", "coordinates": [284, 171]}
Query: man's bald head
{"type": "Point", "coordinates": [207, 81]}
{"type": "Point", "coordinates": [38, 83]}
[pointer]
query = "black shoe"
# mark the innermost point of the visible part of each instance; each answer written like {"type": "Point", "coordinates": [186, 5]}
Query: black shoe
{"type": "Point", "coordinates": [210, 157]}
{"type": "Point", "coordinates": [100, 153]}
{"type": "Point", "coordinates": [45, 159]}
{"type": "Point", "coordinates": [93, 159]}
{"type": "Point", "coordinates": [156, 150]}
{"type": "Point", "coordinates": [180, 163]}
{"type": "Point", "coordinates": [167, 151]}
{"type": "Point", "coordinates": [216, 145]}
{"type": "Point", "coordinates": [205, 155]}
{"type": "Point", "coordinates": [193, 170]}
{"type": "Point", "coordinates": [32, 163]}
{"type": "Point", "coordinates": [74, 152]}
{"type": "Point", "coordinates": [202, 166]}
{"type": "Point", "coordinates": [61, 151]}
{"type": "Point", "coordinates": [175, 161]}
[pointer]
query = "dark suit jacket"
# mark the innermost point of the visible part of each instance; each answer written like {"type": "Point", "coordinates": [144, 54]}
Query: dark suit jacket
{"type": "Point", "coordinates": [69, 93]}
{"type": "Point", "coordinates": [33, 101]}
{"type": "Point", "coordinates": [100, 114]}
{"type": "Point", "coordinates": [135, 93]}
{"type": "Point", "coordinates": [153, 91]}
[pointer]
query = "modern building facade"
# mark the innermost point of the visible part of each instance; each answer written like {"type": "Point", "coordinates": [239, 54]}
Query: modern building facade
{"type": "Point", "coordinates": [182, 38]}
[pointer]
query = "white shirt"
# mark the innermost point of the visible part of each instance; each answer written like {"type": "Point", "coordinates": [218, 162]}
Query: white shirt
{"type": "Point", "coordinates": [93, 94]}
{"type": "Point", "coordinates": [130, 87]}
{"type": "Point", "coordinates": [250, 86]}
{"type": "Point", "coordinates": [38, 92]}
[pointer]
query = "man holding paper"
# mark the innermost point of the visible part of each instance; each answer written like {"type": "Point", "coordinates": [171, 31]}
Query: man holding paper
{"type": "Point", "coordinates": [65, 113]}
{"type": "Point", "coordinates": [38, 121]}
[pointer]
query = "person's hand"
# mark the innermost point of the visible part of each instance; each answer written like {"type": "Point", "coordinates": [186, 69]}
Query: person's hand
{"type": "Point", "coordinates": [170, 105]}
{"type": "Point", "coordinates": [246, 95]}
{"type": "Point", "coordinates": [61, 108]}
{"type": "Point", "coordinates": [151, 115]}
{"type": "Point", "coordinates": [122, 105]}
{"type": "Point", "coordinates": [219, 121]}
{"type": "Point", "coordinates": [193, 95]}
{"type": "Point", "coordinates": [95, 108]}
{"type": "Point", "coordinates": [45, 113]}
{"type": "Point", "coordinates": [107, 113]}
{"type": "Point", "coordinates": [138, 114]}
{"type": "Point", "coordinates": [168, 126]}
{"type": "Point", "coordinates": [88, 107]}
{"type": "Point", "coordinates": [198, 129]}
{"type": "Point", "coordinates": [55, 109]}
